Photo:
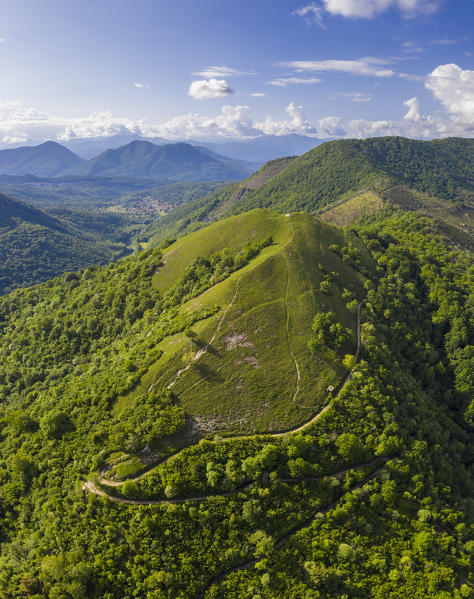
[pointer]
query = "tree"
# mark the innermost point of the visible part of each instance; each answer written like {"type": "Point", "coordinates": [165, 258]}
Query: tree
{"type": "Point", "coordinates": [348, 361]}
{"type": "Point", "coordinates": [54, 424]}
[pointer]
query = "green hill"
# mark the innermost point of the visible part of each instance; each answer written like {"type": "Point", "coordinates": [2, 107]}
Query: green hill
{"type": "Point", "coordinates": [339, 170]}
{"type": "Point", "coordinates": [35, 246]}
{"type": "Point", "coordinates": [270, 406]}
{"type": "Point", "coordinates": [441, 168]}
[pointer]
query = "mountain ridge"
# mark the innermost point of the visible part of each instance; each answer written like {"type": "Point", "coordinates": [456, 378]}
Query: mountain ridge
{"type": "Point", "coordinates": [337, 170]}
{"type": "Point", "coordinates": [137, 159]}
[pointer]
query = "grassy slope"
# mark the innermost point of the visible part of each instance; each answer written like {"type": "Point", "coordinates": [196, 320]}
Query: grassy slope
{"type": "Point", "coordinates": [347, 211]}
{"type": "Point", "coordinates": [455, 219]}
{"type": "Point", "coordinates": [272, 302]}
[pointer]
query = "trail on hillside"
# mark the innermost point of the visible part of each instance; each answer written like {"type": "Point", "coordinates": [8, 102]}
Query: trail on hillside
{"type": "Point", "coordinates": [205, 349]}
{"type": "Point", "coordinates": [287, 329]}
{"type": "Point", "coordinates": [298, 429]}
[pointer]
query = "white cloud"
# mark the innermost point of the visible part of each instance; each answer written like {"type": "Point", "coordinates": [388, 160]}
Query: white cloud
{"type": "Point", "coordinates": [2, 40]}
{"type": "Point", "coordinates": [258, 95]}
{"type": "Point", "coordinates": [369, 66]}
{"type": "Point", "coordinates": [284, 81]}
{"type": "Point", "coordinates": [312, 14]}
{"type": "Point", "coordinates": [370, 8]}
{"type": "Point", "coordinates": [352, 96]}
{"type": "Point", "coordinates": [412, 48]}
{"type": "Point", "coordinates": [232, 121]}
{"type": "Point", "coordinates": [298, 123]}
{"type": "Point", "coordinates": [454, 88]}
{"type": "Point", "coordinates": [205, 89]}
{"type": "Point", "coordinates": [19, 139]}
{"type": "Point", "coordinates": [330, 126]}
{"type": "Point", "coordinates": [140, 85]}
{"type": "Point", "coordinates": [413, 113]}
{"type": "Point", "coordinates": [216, 71]}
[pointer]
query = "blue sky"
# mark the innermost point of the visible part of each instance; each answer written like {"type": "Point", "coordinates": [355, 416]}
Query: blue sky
{"type": "Point", "coordinates": [226, 69]}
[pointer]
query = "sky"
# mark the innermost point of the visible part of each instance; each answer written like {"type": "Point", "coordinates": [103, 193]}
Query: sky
{"type": "Point", "coordinates": [226, 69]}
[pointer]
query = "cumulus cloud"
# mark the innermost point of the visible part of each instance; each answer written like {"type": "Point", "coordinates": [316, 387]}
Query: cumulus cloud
{"type": "Point", "coordinates": [258, 95]}
{"type": "Point", "coordinates": [450, 84]}
{"type": "Point", "coordinates": [413, 113]}
{"type": "Point", "coordinates": [298, 123]}
{"type": "Point", "coordinates": [232, 121]}
{"type": "Point", "coordinates": [370, 66]}
{"type": "Point", "coordinates": [330, 126]}
{"type": "Point", "coordinates": [216, 71]}
{"type": "Point", "coordinates": [285, 81]}
{"type": "Point", "coordinates": [206, 89]}
{"type": "Point", "coordinates": [140, 85]}
{"type": "Point", "coordinates": [454, 88]}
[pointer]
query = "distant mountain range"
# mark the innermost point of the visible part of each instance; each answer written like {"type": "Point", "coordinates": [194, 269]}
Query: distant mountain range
{"type": "Point", "coordinates": [258, 149]}
{"type": "Point", "coordinates": [266, 147]}
{"type": "Point", "coordinates": [175, 162]}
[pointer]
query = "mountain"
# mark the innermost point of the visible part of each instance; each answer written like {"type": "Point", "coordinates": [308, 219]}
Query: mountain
{"type": "Point", "coordinates": [270, 406]}
{"type": "Point", "coordinates": [49, 159]}
{"type": "Point", "coordinates": [35, 246]}
{"type": "Point", "coordinates": [442, 168]}
{"type": "Point", "coordinates": [175, 162]}
{"type": "Point", "coordinates": [91, 147]}
{"type": "Point", "coordinates": [264, 148]}
{"type": "Point", "coordinates": [437, 172]}
{"type": "Point", "coordinates": [12, 210]}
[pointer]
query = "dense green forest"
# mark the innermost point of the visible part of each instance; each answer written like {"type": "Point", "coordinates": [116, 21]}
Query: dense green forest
{"type": "Point", "coordinates": [35, 246]}
{"type": "Point", "coordinates": [374, 499]}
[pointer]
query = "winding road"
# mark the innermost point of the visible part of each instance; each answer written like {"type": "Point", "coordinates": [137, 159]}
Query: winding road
{"type": "Point", "coordinates": [90, 486]}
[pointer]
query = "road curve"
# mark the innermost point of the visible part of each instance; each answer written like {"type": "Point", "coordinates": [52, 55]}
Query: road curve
{"type": "Point", "coordinates": [90, 486]}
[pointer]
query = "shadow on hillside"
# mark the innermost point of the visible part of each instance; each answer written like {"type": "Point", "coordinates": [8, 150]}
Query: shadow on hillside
{"type": "Point", "coordinates": [207, 373]}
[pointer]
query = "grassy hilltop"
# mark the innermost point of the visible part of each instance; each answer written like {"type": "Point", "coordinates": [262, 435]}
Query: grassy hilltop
{"type": "Point", "coordinates": [247, 379]}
